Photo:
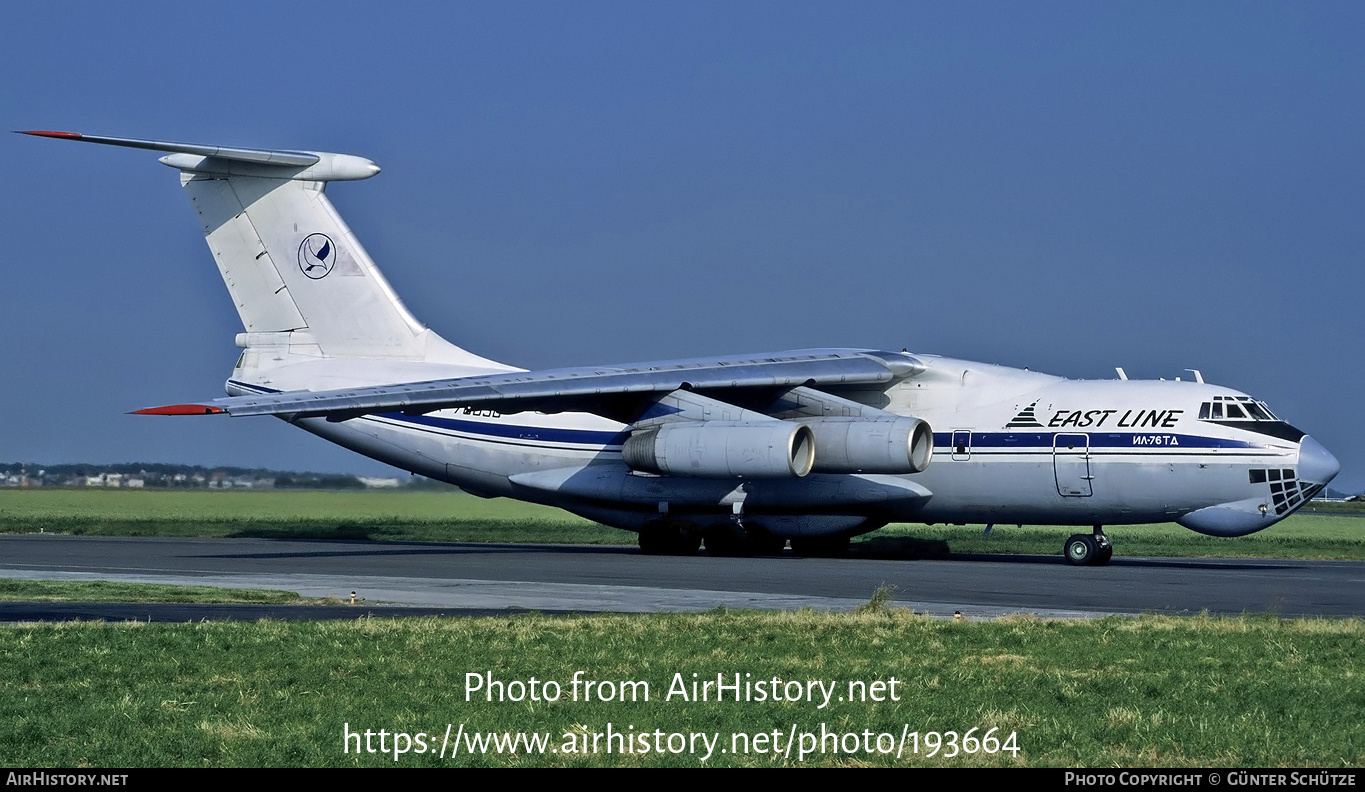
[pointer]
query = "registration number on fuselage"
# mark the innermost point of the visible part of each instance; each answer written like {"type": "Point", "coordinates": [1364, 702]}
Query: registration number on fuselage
{"type": "Point", "coordinates": [1155, 440]}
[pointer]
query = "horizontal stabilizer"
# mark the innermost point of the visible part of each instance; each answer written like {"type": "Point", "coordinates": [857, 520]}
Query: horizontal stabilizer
{"type": "Point", "coordinates": [266, 163]}
{"type": "Point", "coordinates": [294, 158]}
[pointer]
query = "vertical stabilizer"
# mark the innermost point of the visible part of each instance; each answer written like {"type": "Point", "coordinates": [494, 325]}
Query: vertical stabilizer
{"type": "Point", "coordinates": [294, 267]}
{"type": "Point", "coordinates": [301, 281]}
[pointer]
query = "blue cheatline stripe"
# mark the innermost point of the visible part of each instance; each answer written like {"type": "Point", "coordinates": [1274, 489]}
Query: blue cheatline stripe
{"type": "Point", "coordinates": [1008, 440]}
{"type": "Point", "coordinates": [249, 386]}
{"type": "Point", "coordinates": [543, 434]}
{"type": "Point", "coordinates": [942, 440]}
{"type": "Point", "coordinates": [538, 433]}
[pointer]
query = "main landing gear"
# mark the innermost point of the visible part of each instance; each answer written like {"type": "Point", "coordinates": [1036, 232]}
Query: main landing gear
{"type": "Point", "coordinates": [821, 546]}
{"type": "Point", "coordinates": [732, 538]}
{"type": "Point", "coordinates": [1088, 550]}
{"type": "Point", "coordinates": [669, 539]}
{"type": "Point", "coordinates": [723, 538]}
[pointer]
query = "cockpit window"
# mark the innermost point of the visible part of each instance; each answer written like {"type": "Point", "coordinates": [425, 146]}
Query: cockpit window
{"type": "Point", "coordinates": [1235, 408]}
{"type": "Point", "coordinates": [1248, 415]}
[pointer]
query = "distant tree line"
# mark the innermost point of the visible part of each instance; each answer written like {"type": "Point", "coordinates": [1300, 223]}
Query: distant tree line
{"type": "Point", "coordinates": [161, 475]}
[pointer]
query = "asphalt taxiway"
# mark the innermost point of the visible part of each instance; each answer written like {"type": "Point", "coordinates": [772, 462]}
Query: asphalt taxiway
{"type": "Point", "coordinates": [483, 578]}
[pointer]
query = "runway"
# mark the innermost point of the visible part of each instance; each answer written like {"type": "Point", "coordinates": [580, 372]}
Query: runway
{"type": "Point", "coordinates": [482, 578]}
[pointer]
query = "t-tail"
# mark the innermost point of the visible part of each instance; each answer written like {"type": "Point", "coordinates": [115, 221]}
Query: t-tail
{"type": "Point", "coordinates": [303, 285]}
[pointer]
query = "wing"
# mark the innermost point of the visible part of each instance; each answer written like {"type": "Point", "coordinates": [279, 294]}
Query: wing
{"type": "Point", "coordinates": [745, 415]}
{"type": "Point", "coordinates": [623, 393]}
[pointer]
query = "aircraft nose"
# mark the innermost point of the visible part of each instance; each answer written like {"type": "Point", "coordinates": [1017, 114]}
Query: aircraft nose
{"type": "Point", "coordinates": [1316, 464]}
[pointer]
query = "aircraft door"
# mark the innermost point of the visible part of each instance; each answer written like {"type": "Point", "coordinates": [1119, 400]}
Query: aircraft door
{"type": "Point", "coordinates": [962, 445]}
{"type": "Point", "coordinates": [1071, 465]}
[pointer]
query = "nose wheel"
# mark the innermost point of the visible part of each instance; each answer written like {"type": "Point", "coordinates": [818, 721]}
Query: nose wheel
{"type": "Point", "coordinates": [1093, 549]}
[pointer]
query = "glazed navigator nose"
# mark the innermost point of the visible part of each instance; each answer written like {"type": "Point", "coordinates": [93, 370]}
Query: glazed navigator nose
{"type": "Point", "coordinates": [1316, 464]}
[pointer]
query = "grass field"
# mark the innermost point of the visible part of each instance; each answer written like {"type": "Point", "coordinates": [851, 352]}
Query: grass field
{"type": "Point", "coordinates": [413, 516]}
{"type": "Point", "coordinates": [1150, 691]}
{"type": "Point", "coordinates": [105, 591]}
{"type": "Point", "coordinates": [453, 516]}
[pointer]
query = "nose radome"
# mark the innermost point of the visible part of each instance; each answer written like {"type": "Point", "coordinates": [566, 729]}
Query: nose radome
{"type": "Point", "coordinates": [1316, 464]}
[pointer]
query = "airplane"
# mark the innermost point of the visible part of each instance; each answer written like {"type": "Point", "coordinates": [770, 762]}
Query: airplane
{"type": "Point", "coordinates": [742, 452]}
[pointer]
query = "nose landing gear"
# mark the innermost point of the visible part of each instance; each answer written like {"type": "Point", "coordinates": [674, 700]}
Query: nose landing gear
{"type": "Point", "coordinates": [1088, 550]}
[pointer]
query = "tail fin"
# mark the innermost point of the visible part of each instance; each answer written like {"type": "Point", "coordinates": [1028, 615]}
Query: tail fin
{"type": "Point", "coordinates": [298, 276]}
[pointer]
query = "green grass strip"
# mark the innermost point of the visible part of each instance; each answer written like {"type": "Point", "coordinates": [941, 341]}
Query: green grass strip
{"type": "Point", "coordinates": [103, 591]}
{"type": "Point", "coordinates": [1149, 691]}
{"type": "Point", "coordinates": [457, 517]}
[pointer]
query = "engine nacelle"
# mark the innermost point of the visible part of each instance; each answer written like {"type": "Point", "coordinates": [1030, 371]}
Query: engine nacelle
{"type": "Point", "coordinates": [759, 449]}
{"type": "Point", "coordinates": [871, 445]}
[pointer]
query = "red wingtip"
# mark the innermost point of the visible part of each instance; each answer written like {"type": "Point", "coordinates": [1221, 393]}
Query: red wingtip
{"type": "Point", "coordinates": [44, 133]}
{"type": "Point", "coordinates": [181, 409]}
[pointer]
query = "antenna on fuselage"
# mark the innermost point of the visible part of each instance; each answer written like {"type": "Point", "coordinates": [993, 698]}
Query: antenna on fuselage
{"type": "Point", "coordinates": [1199, 378]}
{"type": "Point", "coordinates": [1122, 374]}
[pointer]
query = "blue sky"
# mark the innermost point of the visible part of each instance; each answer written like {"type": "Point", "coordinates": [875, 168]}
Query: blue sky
{"type": "Point", "coordinates": [1065, 186]}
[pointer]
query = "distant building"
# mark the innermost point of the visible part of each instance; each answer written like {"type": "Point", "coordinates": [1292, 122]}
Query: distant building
{"type": "Point", "coordinates": [374, 482]}
{"type": "Point", "coordinates": [158, 476]}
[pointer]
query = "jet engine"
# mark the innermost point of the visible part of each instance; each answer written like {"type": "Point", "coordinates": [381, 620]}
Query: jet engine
{"type": "Point", "coordinates": [750, 449]}
{"type": "Point", "coordinates": [871, 445]}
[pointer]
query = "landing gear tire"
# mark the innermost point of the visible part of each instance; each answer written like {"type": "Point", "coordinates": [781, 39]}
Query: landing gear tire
{"type": "Point", "coordinates": [669, 541]}
{"type": "Point", "coordinates": [821, 546]}
{"type": "Point", "coordinates": [1081, 550]}
{"type": "Point", "coordinates": [727, 539]}
{"type": "Point", "coordinates": [766, 544]}
{"type": "Point", "coordinates": [1088, 549]}
{"type": "Point", "coordinates": [1106, 548]}
{"type": "Point", "coordinates": [733, 539]}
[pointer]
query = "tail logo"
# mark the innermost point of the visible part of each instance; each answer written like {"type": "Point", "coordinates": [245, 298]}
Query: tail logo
{"type": "Point", "coordinates": [317, 256]}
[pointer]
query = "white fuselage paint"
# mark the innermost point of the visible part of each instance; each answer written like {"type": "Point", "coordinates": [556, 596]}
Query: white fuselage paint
{"type": "Point", "coordinates": [1102, 452]}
